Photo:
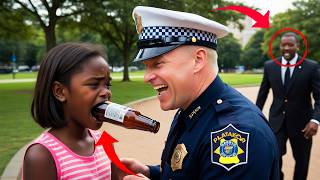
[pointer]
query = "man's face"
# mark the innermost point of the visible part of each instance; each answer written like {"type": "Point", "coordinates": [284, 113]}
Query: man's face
{"type": "Point", "coordinates": [171, 75]}
{"type": "Point", "coordinates": [288, 47]}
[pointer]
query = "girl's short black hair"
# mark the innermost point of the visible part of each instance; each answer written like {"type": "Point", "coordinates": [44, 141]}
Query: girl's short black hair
{"type": "Point", "coordinates": [60, 63]}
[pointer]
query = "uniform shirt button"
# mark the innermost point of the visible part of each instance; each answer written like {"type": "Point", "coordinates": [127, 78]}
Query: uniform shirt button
{"type": "Point", "coordinates": [219, 101]}
{"type": "Point", "coordinates": [283, 112]}
{"type": "Point", "coordinates": [286, 100]}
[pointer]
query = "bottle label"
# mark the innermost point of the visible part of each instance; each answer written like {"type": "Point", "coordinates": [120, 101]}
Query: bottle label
{"type": "Point", "coordinates": [116, 112]}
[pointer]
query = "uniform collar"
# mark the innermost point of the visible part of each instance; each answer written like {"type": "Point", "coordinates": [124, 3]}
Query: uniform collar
{"type": "Point", "coordinates": [197, 107]}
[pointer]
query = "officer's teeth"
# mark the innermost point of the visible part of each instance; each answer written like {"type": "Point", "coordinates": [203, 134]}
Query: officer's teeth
{"type": "Point", "coordinates": [159, 87]}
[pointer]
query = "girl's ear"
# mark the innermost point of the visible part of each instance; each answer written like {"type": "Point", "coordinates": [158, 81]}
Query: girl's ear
{"type": "Point", "coordinates": [59, 91]}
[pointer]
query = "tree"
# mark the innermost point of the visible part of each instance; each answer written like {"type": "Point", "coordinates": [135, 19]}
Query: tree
{"type": "Point", "coordinates": [305, 18]}
{"type": "Point", "coordinates": [16, 36]}
{"type": "Point", "coordinates": [229, 50]}
{"type": "Point", "coordinates": [47, 13]}
{"type": "Point", "coordinates": [252, 56]}
{"type": "Point", "coordinates": [113, 21]}
{"type": "Point", "coordinates": [13, 21]}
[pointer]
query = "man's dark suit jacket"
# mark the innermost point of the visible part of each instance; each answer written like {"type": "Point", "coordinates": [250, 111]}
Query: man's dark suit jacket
{"type": "Point", "coordinates": [294, 103]}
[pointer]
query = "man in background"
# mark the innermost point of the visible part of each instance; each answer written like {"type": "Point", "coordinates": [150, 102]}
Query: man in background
{"type": "Point", "coordinates": [291, 114]}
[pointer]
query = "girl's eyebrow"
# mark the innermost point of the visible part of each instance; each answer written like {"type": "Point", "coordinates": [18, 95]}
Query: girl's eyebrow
{"type": "Point", "coordinates": [99, 77]}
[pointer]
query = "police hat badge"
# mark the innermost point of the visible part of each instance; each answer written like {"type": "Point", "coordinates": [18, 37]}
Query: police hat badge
{"type": "Point", "coordinates": [229, 147]}
{"type": "Point", "coordinates": [178, 155]}
{"type": "Point", "coordinates": [138, 22]}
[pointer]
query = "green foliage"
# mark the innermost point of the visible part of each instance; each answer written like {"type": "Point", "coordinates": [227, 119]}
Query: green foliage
{"type": "Point", "coordinates": [229, 51]}
{"type": "Point", "coordinates": [98, 21]}
{"type": "Point", "coordinates": [304, 18]}
{"type": "Point", "coordinates": [252, 56]}
{"type": "Point", "coordinates": [13, 25]}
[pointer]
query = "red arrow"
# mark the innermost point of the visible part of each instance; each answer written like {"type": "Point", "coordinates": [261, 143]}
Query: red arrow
{"type": "Point", "coordinates": [106, 141]}
{"type": "Point", "coordinates": [261, 21]}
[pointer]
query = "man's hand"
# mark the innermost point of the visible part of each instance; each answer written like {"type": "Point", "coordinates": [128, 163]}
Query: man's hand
{"type": "Point", "coordinates": [132, 164]}
{"type": "Point", "coordinates": [310, 130]}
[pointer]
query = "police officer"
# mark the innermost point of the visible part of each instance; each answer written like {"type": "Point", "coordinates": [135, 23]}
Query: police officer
{"type": "Point", "coordinates": [217, 133]}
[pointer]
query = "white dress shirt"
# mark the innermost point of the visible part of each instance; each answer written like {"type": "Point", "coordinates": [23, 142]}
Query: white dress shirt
{"type": "Point", "coordinates": [284, 68]}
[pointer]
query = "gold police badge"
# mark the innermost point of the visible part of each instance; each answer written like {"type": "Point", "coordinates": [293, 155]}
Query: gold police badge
{"type": "Point", "coordinates": [138, 21]}
{"type": "Point", "coordinates": [178, 155]}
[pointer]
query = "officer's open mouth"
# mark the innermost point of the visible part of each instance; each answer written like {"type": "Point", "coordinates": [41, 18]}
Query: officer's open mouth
{"type": "Point", "coordinates": [160, 88]}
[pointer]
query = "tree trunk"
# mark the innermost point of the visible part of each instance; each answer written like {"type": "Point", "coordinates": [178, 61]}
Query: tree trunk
{"type": "Point", "coordinates": [125, 64]}
{"type": "Point", "coordinates": [126, 54]}
{"type": "Point", "coordinates": [50, 37]}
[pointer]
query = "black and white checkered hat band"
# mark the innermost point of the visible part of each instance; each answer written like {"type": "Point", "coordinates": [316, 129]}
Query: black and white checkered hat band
{"type": "Point", "coordinates": [155, 32]}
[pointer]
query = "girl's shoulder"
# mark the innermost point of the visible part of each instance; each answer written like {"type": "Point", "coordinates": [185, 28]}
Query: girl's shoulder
{"type": "Point", "coordinates": [38, 157]}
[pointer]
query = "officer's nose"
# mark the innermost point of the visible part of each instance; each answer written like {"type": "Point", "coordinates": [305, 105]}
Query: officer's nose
{"type": "Point", "coordinates": [149, 76]}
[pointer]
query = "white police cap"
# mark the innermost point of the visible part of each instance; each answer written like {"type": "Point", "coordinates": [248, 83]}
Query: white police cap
{"type": "Point", "coordinates": [162, 30]}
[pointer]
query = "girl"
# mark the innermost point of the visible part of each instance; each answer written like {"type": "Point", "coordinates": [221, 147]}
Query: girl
{"type": "Point", "coordinates": [72, 79]}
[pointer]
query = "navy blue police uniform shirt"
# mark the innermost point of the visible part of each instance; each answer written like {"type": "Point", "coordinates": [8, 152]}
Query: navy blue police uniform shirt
{"type": "Point", "coordinates": [221, 135]}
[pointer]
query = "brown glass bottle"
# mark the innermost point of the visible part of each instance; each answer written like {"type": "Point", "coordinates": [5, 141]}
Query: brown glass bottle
{"type": "Point", "coordinates": [124, 116]}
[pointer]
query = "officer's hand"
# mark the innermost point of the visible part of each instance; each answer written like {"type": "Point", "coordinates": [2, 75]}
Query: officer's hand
{"type": "Point", "coordinates": [133, 177]}
{"type": "Point", "coordinates": [136, 166]}
{"type": "Point", "coordinates": [310, 130]}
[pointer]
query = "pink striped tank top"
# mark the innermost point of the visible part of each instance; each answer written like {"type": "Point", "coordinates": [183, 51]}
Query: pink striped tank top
{"type": "Point", "coordinates": [72, 166]}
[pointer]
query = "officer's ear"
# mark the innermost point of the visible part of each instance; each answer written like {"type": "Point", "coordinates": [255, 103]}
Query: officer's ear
{"type": "Point", "coordinates": [201, 57]}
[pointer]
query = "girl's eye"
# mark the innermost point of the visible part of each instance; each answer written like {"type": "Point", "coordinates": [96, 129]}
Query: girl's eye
{"type": "Point", "coordinates": [94, 84]}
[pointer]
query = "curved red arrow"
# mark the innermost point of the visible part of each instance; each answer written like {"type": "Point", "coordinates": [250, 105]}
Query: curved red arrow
{"type": "Point", "coordinates": [106, 141]}
{"type": "Point", "coordinates": [262, 21]}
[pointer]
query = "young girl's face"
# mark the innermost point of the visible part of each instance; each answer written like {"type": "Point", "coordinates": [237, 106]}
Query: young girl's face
{"type": "Point", "coordinates": [87, 88]}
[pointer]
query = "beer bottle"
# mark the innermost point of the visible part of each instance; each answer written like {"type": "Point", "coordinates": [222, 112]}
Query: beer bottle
{"type": "Point", "coordinates": [124, 116]}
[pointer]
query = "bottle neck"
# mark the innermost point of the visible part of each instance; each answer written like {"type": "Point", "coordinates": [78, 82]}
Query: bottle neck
{"type": "Point", "coordinates": [152, 124]}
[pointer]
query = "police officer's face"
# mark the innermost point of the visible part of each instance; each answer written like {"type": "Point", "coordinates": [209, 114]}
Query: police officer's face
{"type": "Point", "coordinates": [171, 75]}
{"type": "Point", "coordinates": [288, 47]}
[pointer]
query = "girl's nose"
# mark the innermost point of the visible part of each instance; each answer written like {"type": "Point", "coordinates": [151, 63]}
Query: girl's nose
{"type": "Point", "coordinates": [105, 93]}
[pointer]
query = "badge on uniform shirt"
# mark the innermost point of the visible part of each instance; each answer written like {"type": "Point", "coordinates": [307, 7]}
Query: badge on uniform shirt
{"type": "Point", "coordinates": [178, 155]}
{"type": "Point", "coordinates": [229, 147]}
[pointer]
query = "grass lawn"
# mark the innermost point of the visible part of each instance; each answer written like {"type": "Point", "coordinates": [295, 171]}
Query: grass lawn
{"type": "Point", "coordinates": [242, 79]}
{"type": "Point", "coordinates": [18, 128]}
{"type": "Point", "coordinates": [19, 75]}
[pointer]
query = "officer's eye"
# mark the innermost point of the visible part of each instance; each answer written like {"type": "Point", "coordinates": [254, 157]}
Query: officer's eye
{"type": "Point", "coordinates": [158, 63]}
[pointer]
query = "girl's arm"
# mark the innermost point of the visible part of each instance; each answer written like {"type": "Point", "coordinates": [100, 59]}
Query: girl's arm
{"type": "Point", "coordinates": [38, 164]}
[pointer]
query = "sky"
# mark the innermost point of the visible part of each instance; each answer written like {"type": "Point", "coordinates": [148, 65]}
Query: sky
{"type": "Point", "coordinates": [275, 6]}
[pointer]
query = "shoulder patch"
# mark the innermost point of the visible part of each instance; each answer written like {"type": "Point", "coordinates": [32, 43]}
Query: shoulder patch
{"type": "Point", "coordinates": [229, 147]}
